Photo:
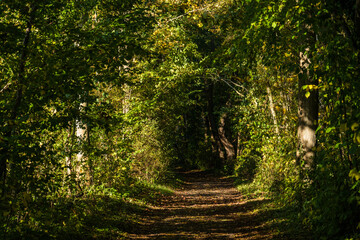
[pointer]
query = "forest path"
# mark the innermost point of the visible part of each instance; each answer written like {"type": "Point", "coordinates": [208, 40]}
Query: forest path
{"type": "Point", "coordinates": [205, 207]}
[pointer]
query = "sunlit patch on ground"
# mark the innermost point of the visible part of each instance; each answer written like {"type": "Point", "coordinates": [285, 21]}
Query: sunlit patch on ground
{"type": "Point", "coordinates": [206, 207]}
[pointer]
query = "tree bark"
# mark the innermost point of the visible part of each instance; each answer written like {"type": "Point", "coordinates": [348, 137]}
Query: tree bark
{"type": "Point", "coordinates": [83, 163]}
{"type": "Point", "coordinates": [272, 110]}
{"type": "Point", "coordinates": [308, 111]}
{"type": "Point", "coordinates": [220, 155]}
{"type": "Point", "coordinates": [228, 146]}
{"type": "Point", "coordinates": [68, 147]}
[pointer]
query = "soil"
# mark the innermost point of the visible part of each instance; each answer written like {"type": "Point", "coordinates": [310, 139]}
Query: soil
{"type": "Point", "coordinates": [205, 207]}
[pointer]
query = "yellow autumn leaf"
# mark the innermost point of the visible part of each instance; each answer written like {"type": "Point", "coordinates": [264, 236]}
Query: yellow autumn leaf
{"type": "Point", "coordinates": [357, 137]}
{"type": "Point", "coordinates": [354, 126]}
{"type": "Point", "coordinates": [311, 87]}
{"type": "Point", "coordinates": [354, 174]}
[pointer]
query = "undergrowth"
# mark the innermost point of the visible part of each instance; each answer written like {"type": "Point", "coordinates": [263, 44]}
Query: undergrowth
{"type": "Point", "coordinates": [282, 219]}
{"type": "Point", "coordinates": [102, 213]}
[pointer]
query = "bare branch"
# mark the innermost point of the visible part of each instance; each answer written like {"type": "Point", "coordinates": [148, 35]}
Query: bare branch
{"type": "Point", "coordinates": [225, 81]}
{"type": "Point", "coordinates": [5, 87]}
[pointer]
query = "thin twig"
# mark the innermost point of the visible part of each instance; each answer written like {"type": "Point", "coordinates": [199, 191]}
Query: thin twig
{"type": "Point", "coordinates": [240, 94]}
{"type": "Point", "coordinates": [5, 87]}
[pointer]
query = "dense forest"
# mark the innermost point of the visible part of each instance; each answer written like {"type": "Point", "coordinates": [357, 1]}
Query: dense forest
{"type": "Point", "coordinates": [101, 101]}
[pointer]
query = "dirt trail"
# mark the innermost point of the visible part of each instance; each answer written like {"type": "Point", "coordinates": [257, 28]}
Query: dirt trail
{"type": "Point", "coordinates": [206, 207]}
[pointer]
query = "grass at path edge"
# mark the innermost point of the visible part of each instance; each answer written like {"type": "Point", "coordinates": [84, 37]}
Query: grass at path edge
{"type": "Point", "coordinates": [283, 220]}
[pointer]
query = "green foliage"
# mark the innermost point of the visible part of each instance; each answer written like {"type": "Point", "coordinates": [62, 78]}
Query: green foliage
{"type": "Point", "coordinates": [59, 72]}
{"type": "Point", "coordinates": [272, 35]}
{"type": "Point", "coordinates": [103, 213]}
{"type": "Point", "coordinates": [101, 99]}
{"type": "Point", "coordinates": [246, 164]}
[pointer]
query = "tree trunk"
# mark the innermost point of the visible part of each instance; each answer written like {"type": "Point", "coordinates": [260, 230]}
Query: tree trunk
{"type": "Point", "coordinates": [126, 99]}
{"type": "Point", "coordinates": [82, 133]}
{"type": "Point", "coordinates": [5, 152]}
{"type": "Point", "coordinates": [228, 146]}
{"type": "Point", "coordinates": [69, 148]}
{"type": "Point", "coordinates": [308, 111]}
{"type": "Point", "coordinates": [286, 109]}
{"type": "Point", "coordinates": [239, 148]}
{"type": "Point", "coordinates": [220, 155]}
{"type": "Point", "coordinates": [272, 110]}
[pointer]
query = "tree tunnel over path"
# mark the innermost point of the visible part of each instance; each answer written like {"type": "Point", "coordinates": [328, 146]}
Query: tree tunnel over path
{"type": "Point", "coordinates": [101, 101]}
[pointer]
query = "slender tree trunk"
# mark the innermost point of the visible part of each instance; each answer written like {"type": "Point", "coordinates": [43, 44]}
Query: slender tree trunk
{"type": "Point", "coordinates": [272, 110]}
{"type": "Point", "coordinates": [238, 145]}
{"type": "Point", "coordinates": [90, 170]}
{"type": "Point", "coordinates": [126, 99]}
{"type": "Point", "coordinates": [286, 109]}
{"type": "Point", "coordinates": [5, 152]}
{"type": "Point", "coordinates": [228, 146]}
{"type": "Point", "coordinates": [68, 148]}
{"type": "Point", "coordinates": [213, 127]}
{"type": "Point", "coordinates": [82, 134]}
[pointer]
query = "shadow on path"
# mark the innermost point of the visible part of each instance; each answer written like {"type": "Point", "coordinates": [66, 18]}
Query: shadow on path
{"type": "Point", "coordinates": [206, 207]}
